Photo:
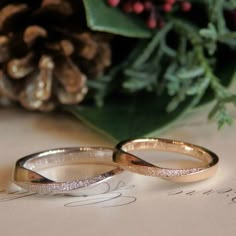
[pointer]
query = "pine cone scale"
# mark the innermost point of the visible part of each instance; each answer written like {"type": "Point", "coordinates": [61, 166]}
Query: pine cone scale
{"type": "Point", "coordinates": [9, 11]}
{"type": "Point", "coordinates": [43, 64]}
{"type": "Point", "coordinates": [69, 76]}
{"type": "Point", "coordinates": [32, 33]}
{"type": "Point", "coordinates": [6, 87]}
{"type": "Point", "coordinates": [4, 49]}
{"type": "Point", "coordinates": [20, 68]}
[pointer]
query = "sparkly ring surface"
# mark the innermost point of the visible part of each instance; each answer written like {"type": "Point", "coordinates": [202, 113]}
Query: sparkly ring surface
{"type": "Point", "coordinates": [207, 168]}
{"type": "Point", "coordinates": [28, 171]}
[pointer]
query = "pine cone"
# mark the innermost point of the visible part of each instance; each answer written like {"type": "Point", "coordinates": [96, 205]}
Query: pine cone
{"type": "Point", "coordinates": [47, 53]}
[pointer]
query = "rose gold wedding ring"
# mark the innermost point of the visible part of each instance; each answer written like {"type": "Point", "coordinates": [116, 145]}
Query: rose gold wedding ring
{"type": "Point", "coordinates": [208, 161]}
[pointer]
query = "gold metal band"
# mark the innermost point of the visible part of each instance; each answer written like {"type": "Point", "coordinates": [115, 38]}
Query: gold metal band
{"type": "Point", "coordinates": [128, 161]}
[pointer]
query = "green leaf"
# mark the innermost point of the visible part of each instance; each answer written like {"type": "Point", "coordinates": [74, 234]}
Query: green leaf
{"type": "Point", "coordinates": [142, 114]}
{"type": "Point", "coordinates": [190, 74]}
{"type": "Point", "coordinates": [227, 75]}
{"type": "Point", "coordinates": [101, 17]}
{"type": "Point", "coordinates": [209, 33]}
{"type": "Point", "coordinates": [129, 117]}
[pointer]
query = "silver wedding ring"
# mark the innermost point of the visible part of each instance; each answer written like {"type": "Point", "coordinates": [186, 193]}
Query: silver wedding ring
{"type": "Point", "coordinates": [78, 179]}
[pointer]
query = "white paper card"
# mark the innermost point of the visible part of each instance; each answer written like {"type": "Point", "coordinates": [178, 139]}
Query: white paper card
{"type": "Point", "coordinates": [138, 206]}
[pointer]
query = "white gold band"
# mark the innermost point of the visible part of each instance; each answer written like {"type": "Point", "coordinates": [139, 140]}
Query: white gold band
{"type": "Point", "coordinates": [27, 172]}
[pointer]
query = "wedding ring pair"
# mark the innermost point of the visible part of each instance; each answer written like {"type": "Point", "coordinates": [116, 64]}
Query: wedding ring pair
{"type": "Point", "coordinates": [106, 163]}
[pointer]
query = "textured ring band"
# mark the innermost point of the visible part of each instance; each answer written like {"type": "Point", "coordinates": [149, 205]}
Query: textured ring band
{"type": "Point", "coordinates": [132, 163]}
{"type": "Point", "coordinates": [27, 171]}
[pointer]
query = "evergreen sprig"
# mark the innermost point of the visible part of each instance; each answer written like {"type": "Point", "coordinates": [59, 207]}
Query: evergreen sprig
{"type": "Point", "coordinates": [183, 68]}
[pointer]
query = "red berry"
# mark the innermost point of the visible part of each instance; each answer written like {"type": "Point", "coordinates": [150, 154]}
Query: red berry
{"type": "Point", "coordinates": [152, 23]}
{"type": "Point", "coordinates": [167, 7]}
{"type": "Point", "coordinates": [170, 1]}
{"type": "Point", "coordinates": [127, 7]}
{"type": "Point", "coordinates": [113, 3]}
{"type": "Point", "coordinates": [138, 7]}
{"type": "Point", "coordinates": [186, 6]}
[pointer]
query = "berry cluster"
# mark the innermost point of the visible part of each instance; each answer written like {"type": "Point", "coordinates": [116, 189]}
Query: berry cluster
{"type": "Point", "coordinates": [152, 10]}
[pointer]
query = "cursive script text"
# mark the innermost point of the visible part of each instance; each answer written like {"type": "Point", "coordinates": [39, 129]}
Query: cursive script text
{"type": "Point", "coordinates": [229, 194]}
